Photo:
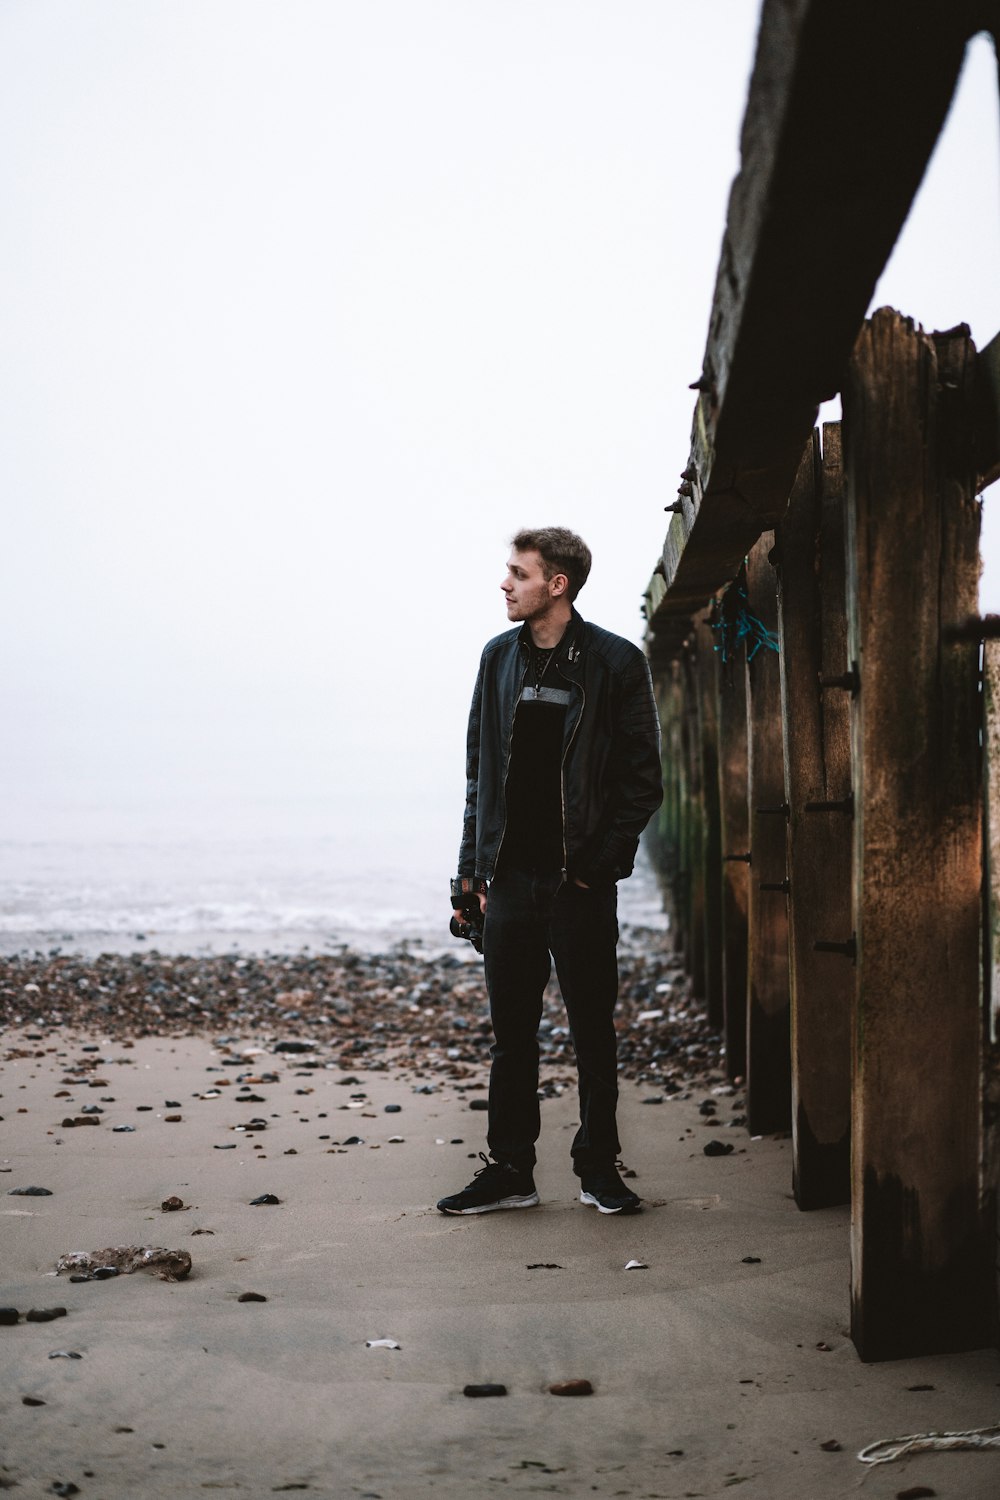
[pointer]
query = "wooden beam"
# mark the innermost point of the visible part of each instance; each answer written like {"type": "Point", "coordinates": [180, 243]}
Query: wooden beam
{"type": "Point", "coordinates": [769, 1080]}
{"type": "Point", "coordinates": [735, 849]}
{"type": "Point", "coordinates": [817, 742]}
{"type": "Point", "coordinates": [922, 1259]}
{"type": "Point", "coordinates": [708, 730]}
{"type": "Point", "coordinates": [991, 953]}
{"type": "Point", "coordinates": [846, 102]}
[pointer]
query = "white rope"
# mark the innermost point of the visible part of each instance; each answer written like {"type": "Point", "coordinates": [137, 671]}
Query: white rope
{"type": "Point", "coordinates": [886, 1449]}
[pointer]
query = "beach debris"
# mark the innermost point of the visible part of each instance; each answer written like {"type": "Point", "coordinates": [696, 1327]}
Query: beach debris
{"type": "Point", "coordinates": [571, 1388]}
{"type": "Point", "coordinates": [916, 1492]}
{"type": "Point", "coordinates": [750, 1260]}
{"type": "Point", "coordinates": [251, 1297]}
{"type": "Point", "coordinates": [168, 1265]}
{"type": "Point", "coordinates": [382, 1344]}
{"type": "Point", "coordinates": [65, 1354]}
{"type": "Point", "coordinates": [29, 1192]}
{"type": "Point", "coordinates": [8, 1316]}
{"type": "Point", "coordinates": [172, 1205]}
{"type": "Point", "coordinates": [292, 1045]}
{"type": "Point", "coordinates": [44, 1314]}
{"type": "Point", "coordinates": [168, 1119]}
{"type": "Point", "coordinates": [887, 1449]}
{"type": "Point", "coordinates": [102, 1273]}
{"type": "Point", "coordinates": [636, 1265]}
{"type": "Point", "coordinates": [921, 1387]}
{"type": "Point", "coordinates": [831, 1446]}
{"type": "Point", "coordinates": [487, 1389]}
{"type": "Point", "coordinates": [653, 1099]}
{"type": "Point", "coordinates": [229, 1146]}
{"type": "Point", "coordinates": [718, 1148]}
{"type": "Point", "coordinates": [32, 1401]}
{"type": "Point", "coordinates": [123, 1129]}
{"type": "Point", "coordinates": [63, 1487]}
{"type": "Point", "coordinates": [545, 1265]}
{"type": "Point", "coordinates": [72, 1120]}
{"type": "Point", "coordinates": [264, 1200]}
{"type": "Point", "coordinates": [396, 1140]}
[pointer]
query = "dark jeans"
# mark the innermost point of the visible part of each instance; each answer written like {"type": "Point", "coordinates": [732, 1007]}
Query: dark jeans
{"type": "Point", "coordinates": [530, 919]}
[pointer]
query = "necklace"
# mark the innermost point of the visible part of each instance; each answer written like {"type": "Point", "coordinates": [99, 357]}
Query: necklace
{"type": "Point", "coordinates": [541, 662]}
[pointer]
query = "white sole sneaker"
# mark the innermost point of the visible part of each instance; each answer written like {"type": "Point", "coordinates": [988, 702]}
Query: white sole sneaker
{"type": "Point", "coordinates": [529, 1200]}
{"type": "Point", "coordinates": [603, 1209]}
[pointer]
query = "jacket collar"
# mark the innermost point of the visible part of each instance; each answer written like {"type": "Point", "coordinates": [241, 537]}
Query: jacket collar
{"type": "Point", "coordinates": [570, 647]}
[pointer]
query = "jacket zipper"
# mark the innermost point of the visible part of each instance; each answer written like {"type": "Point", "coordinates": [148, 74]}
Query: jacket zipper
{"type": "Point", "coordinates": [562, 775]}
{"type": "Point", "coordinates": [506, 769]}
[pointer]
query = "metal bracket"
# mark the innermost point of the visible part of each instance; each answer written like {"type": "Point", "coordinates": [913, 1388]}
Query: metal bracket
{"type": "Point", "coordinates": [845, 805]}
{"type": "Point", "coordinates": [848, 949]}
{"type": "Point", "coordinates": [850, 680]}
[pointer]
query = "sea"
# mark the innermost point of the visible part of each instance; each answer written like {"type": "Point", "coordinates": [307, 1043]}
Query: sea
{"type": "Point", "coordinates": [177, 886]}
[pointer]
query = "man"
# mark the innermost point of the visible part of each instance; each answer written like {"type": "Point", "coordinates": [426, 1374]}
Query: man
{"type": "Point", "coordinates": [563, 775]}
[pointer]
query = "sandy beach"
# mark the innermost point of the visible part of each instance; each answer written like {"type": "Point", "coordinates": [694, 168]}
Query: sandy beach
{"type": "Point", "coordinates": [723, 1364]}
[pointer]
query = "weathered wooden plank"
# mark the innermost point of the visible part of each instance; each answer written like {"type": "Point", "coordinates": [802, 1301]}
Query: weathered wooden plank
{"type": "Point", "coordinates": [696, 825]}
{"type": "Point", "coordinates": [769, 1080]}
{"type": "Point", "coordinates": [845, 104]}
{"type": "Point", "coordinates": [734, 821]}
{"type": "Point", "coordinates": [991, 965]}
{"type": "Point", "coordinates": [817, 745]}
{"type": "Point", "coordinates": [921, 1256]}
{"type": "Point", "coordinates": [706, 668]}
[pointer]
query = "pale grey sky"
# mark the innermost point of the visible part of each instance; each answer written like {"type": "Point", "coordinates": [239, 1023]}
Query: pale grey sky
{"type": "Point", "coordinates": [306, 306]}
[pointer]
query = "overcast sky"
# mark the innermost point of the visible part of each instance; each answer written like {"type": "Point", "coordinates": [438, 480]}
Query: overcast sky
{"type": "Point", "coordinates": [306, 306]}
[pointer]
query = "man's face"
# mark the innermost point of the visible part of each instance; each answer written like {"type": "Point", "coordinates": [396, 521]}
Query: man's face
{"type": "Point", "coordinates": [529, 594]}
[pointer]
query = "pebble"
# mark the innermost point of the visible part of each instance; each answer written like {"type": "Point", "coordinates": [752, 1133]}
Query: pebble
{"type": "Point", "coordinates": [230, 1146]}
{"type": "Point", "coordinates": [382, 1344]}
{"type": "Point", "coordinates": [479, 1104]}
{"type": "Point", "coordinates": [29, 1192]}
{"type": "Point", "coordinates": [571, 1388]}
{"type": "Point", "coordinates": [265, 1198]}
{"type": "Point", "coordinates": [831, 1446]}
{"type": "Point", "coordinates": [368, 1006]}
{"type": "Point", "coordinates": [545, 1265]}
{"type": "Point", "coordinates": [251, 1297]}
{"type": "Point", "coordinates": [65, 1354]}
{"type": "Point", "coordinates": [44, 1314]}
{"type": "Point", "coordinates": [32, 1401]}
{"type": "Point", "coordinates": [171, 1205]}
{"type": "Point", "coordinates": [8, 1316]}
{"type": "Point", "coordinates": [393, 1109]}
{"type": "Point", "coordinates": [751, 1260]}
{"type": "Point", "coordinates": [123, 1129]}
{"type": "Point", "coordinates": [916, 1492]}
{"type": "Point", "coordinates": [484, 1390]}
{"type": "Point", "coordinates": [64, 1487]}
{"type": "Point", "coordinates": [718, 1148]}
{"type": "Point", "coordinates": [172, 1119]}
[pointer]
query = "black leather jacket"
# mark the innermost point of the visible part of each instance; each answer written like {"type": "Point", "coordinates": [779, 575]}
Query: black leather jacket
{"type": "Point", "coordinates": [611, 775]}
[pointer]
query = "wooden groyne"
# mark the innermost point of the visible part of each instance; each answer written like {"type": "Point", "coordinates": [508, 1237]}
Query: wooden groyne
{"type": "Point", "coordinates": [830, 699]}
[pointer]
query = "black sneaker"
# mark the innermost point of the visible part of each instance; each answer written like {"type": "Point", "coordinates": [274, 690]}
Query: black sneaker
{"type": "Point", "coordinates": [606, 1191]}
{"type": "Point", "coordinates": [497, 1185]}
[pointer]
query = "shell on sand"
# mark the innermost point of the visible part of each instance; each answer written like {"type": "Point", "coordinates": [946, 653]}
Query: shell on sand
{"type": "Point", "coordinates": [169, 1265]}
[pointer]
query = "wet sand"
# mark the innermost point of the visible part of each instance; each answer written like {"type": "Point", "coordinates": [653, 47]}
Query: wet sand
{"type": "Point", "coordinates": [712, 1371]}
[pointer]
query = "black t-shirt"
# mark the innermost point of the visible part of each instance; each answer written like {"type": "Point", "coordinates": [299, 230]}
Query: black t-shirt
{"type": "Point", "coordinates": [533, 837]}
